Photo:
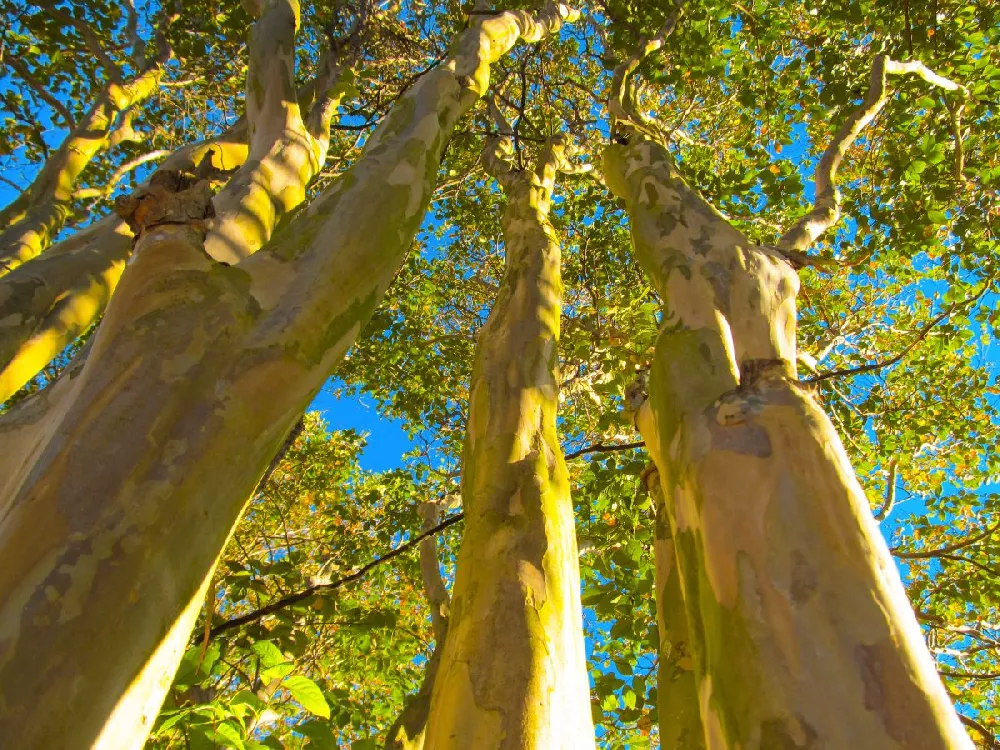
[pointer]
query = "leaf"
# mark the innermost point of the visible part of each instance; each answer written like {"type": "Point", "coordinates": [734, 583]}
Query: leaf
{"type": "Point", "coordinates": [308, 694]}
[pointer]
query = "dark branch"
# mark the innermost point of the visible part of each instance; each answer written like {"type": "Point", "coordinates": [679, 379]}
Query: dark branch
{"type": "Point", "coordinates": [602, 448]}
{"type": "Point", "coordinates": [299, 596]}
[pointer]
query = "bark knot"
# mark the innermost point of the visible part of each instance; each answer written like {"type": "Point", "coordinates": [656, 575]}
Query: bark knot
{"type": "Point", "coordinates": [172, 197]}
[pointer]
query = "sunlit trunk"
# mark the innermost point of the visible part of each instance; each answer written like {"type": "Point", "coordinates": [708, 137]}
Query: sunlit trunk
{"type": "Point", "coordinates": [513, 672]}
{"type": "Point", "coordinates": [120, 483]}
{"type": "Point", "coordinates": [800, 629]}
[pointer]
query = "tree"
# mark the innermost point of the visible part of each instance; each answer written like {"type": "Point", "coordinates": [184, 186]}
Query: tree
{"type": "Point", "coordinates": [262, 247]}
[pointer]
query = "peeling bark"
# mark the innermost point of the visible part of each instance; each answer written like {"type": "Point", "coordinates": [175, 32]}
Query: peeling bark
{"type": "Point", "coordinates": [799, 624]}
{"type": "Point", "coordinates": [513, 671]}
{"type": "Point", "coordinates": [120, 483]}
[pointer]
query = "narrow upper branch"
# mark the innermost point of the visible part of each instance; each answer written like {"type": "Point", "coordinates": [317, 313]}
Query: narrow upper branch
{"type": "Point", "coordinates": [44, 94]}
{"type": "Point", "coordinates": [90, 39]}
{"type": "Point", "coordinates": [621, 97]}
{"type": "Point", "coordinates": [826, 211]}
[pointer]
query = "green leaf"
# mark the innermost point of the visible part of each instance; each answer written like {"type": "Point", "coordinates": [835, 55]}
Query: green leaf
{"type": "Point", "coordinates": [308, 695]}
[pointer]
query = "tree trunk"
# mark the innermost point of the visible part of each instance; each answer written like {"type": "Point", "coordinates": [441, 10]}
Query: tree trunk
{"type": "Point", "coordinates": [513, 673]}
{"type": "Point", "coordinates": [676, 686]}
{"type": "Point", "coordinates": [48, 302]}
{"type": "Point", "coordinates": [120, 483]}
{"type": "Point", "coordinates": [800, 628]}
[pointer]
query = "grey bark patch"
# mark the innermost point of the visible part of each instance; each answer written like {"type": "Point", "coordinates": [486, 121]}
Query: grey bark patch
{"type": "Point", "coordinates": [804, 578]}
{"type": "Point", "coordinates": [776, 734]}
{"type": "Point", "coordinates": [743, 437]}
{"type": "Point", "coordinates": [891, 694]}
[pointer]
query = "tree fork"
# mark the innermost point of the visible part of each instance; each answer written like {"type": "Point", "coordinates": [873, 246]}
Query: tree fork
{"type": "Point", "coordinates": [120, 483]}
{"type": "Point", "coordinates": [800, 626]}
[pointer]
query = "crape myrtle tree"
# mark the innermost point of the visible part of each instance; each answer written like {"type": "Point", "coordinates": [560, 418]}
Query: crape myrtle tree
{"type": "Point", "coordinates": [746, 160]}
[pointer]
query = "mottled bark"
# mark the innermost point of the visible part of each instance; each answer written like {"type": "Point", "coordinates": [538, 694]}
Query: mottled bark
{"type": "Point", "coordinates": [120, 483]}
{"type": "Point", "coordinates": [513, 671]}
{"type": "Point", "coordinates": [48, 302]}
{"type": "Point", "coordinates": [676, 687]}
{"type": "Point", "coordinates": [801, 632]}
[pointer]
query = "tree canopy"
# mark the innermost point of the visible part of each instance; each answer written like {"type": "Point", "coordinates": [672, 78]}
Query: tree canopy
{"type": "Point", "coordinates": [317, 626]}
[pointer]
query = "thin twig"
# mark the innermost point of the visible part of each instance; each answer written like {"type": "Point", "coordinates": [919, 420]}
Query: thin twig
{"type": "Point", "coordinates": [602, 448]}
{"type": "Point", "coordinates": [826, 210]}
{"type": "Point", "coordinates": [921, 335]}
{"type": "Point", "coordinates": [291, 599]}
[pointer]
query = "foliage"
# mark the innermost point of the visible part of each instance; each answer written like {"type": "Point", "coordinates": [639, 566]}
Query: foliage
{"type": "Point", "coordinates": [751, 93]}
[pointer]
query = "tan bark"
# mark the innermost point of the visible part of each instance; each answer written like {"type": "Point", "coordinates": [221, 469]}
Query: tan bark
{"type": "Point", "coordinates": [513, 672]}
{"type": "Point", "coordinates": [800, 626]}
{"type": "Point", "coordinates": [120, 483]}
{"type": "Point", "coordinates": [676, 687]}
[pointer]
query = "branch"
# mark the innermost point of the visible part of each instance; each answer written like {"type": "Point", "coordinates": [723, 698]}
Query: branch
{"type": "Point", "coordinates": [90, 39]}
{"type": "Point", "coordinates": [132, 32]}
{"type": "Point", "coordinates": [291, 599]}
{"type": "Point", "coordinates": [21, 69]}
{"type": "Point", "coordinates": [826, 211]}
{"type": "Point", "coordinates": [118, 174]}
{"type": "Point", "coordinates": [890, 491]}
{"type": "Point", "coordinates": [602, 448]}
{"type": "Point", "coordinates": [991, 741]}
{"type": "Point", "coordinates": [621, 96]}
{"type": "Point", "coordinates": [945, 550]}
{"type": "Point", "coordinates": [919, 337]}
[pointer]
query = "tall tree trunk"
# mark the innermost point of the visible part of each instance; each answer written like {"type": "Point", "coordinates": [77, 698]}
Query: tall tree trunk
{"type": "Point", "coordinates": [513, 672]}
{"type": "Point", "coordinates": [676, 686]}
{"type": "Point", "coordinates": [120, 483]}
{"type": "Point", "coordinates": [800, 628]}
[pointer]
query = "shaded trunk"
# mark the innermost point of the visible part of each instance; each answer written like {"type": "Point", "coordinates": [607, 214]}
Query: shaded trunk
{"type": "Point", "coordinates": [676, 687]}
{"type": "Point", "coordinates": [120, 483]}
{"type": "Point", "coordinates": [513, 672]}
{"type": "Point", "coordinates": [800, 629]}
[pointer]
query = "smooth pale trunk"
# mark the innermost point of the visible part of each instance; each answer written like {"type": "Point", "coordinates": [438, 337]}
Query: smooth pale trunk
{"type": "Point", "coordinates": [676, 686]}
{"type": "Point", "coordinates": [120, 483]}
{"type": "Point", "coordinates": [800, 628]}
{"type": "Point", "coordinates": [513, 672]}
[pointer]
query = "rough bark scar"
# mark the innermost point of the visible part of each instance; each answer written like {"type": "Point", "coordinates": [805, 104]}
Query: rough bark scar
{"type": "Point", "coordinates": [171, 198]}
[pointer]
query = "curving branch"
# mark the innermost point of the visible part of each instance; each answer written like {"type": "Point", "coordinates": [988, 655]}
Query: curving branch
{"type": "Point", "coordinates": [43, 93]}
{"type": "Point", "coordinates": [119, 173]}
{"type": "Point", "coordinates": [625, 117]}
{"type": "Point", "coordinates": [826, 211]}
{"type": "Point", "coordinates": [299, 596]}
